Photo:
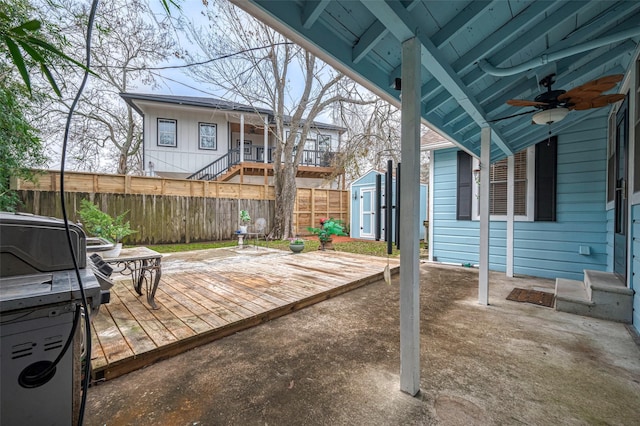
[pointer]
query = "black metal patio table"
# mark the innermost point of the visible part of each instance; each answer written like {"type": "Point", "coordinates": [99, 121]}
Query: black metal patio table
{"type": "Point", "coordinates": [143, 265]}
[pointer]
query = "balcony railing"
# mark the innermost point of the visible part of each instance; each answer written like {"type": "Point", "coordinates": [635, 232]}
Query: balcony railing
{"type": "Point", "coordinates": [309, 157]}
{"type": "Point", "coordinates": [256, 154]}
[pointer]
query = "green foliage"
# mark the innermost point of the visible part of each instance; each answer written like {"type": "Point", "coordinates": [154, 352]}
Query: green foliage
{"type": "Point", "coordinates": [371, 248]}
{"type": "Point", "coordinates": [22, 41]}
{"type": "Point", "coordinates": [328, 227]}
{"type": "Point", "coordinates": [244, 216]}
{"type": "Point", "coordinates": [100, 224]}
{"type": "Point", "coordinates": [176, 248]}
{"type": "Point", "coordinates": [20, 148]}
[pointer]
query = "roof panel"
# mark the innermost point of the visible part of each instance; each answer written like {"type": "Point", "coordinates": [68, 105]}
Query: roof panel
{"type": "Point", "coordinates": [459, 95]}
{"type": "Point", "coordinates": [435, 18]}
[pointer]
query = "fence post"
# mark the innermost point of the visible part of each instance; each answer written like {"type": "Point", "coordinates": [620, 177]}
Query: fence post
{"type": "Point", "coordinates": [127, 184]}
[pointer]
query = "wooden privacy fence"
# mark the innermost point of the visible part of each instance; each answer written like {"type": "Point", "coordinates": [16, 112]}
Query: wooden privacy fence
{"type": "Point", "coordinates": [175, 210]}
{"type": "Point", "coordinates": [147, 185]}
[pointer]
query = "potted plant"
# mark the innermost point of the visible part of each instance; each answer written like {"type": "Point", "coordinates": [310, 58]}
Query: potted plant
{"type": "Point", "coordinates": [99, 224]}
{"type": "Point", "coordinates": [328, 227]}
{"type": "Point", "coordinates": [244, 220]}
{"type": "Point", "coordinates": [296, 245]}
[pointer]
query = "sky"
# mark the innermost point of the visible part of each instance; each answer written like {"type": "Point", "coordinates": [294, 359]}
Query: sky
{"type": "Point", "coordinates": [178, 81]}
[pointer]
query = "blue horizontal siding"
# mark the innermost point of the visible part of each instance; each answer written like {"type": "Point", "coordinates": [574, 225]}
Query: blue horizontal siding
{"type": "Point", "coordinates": [586, 177]}
{"type": "Point", "coordinates": [458, 241]}
{"type": "Point", "coordinates": [635, 255]}
{"type": "Point", "coordinates": [545, 249]}
{"type": "Point", "coordinates": [610, 213]}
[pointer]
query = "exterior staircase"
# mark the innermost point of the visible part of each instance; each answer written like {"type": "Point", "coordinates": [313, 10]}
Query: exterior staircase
{"type": "Point", "coordinates": [601, 295]}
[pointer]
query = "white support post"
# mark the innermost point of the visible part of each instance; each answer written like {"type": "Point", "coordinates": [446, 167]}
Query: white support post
{"type": "Point", "coordinates": [265, 155]}
{"type": "Point", "coordinates": [241, 138]}
{"type": "Point", "coordinates": [409, 219]}
{"type": "Point", "coordinates": [510, 213]}
{"type": "Point", "coordinates": [430, 189]}
{"type": "Point", "coordinates": [485, 160]}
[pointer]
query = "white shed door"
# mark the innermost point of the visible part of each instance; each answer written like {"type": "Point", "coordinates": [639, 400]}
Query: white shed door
{"type": "Point", "coordinates": [367, 213]}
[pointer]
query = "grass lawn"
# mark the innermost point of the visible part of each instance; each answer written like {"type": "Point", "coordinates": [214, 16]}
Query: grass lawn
{"type": "Point", "coordinates": [372, 248]}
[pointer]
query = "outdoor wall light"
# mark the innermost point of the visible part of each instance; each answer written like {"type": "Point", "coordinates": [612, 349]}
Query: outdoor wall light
{"type": "Point", "coordinates": [549, 116]}
{"type": "Point", "coordinates": [476, 174]}
{"type": "Point", "coordinates": [355, 194]}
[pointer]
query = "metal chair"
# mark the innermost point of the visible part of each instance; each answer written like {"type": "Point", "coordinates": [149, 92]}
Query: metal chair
{"type": "Point", "coordinates": [260, 229]}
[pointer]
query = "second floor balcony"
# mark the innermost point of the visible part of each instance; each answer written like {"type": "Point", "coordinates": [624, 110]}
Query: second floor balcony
{"type": "Point", "coordinates": [314, 164]}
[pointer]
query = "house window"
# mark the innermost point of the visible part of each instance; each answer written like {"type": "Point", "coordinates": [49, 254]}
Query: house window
{"type": "Point", "coordinates": [498, 174]}
{"type": "Point", "coordinates": [523, 187]}
{"type": "Point", "coordinates": [310, 154]}
{"type": "Point", "coordinates": [248, 148]}
{"type": "Point", "coordinates": [208, 136]}
{"type": "Point", "coordinates": [534, 190]}
{"type": "Point", "coordinates": [167, 132]}
{"type": "Point", "coordinates": [324, 143]}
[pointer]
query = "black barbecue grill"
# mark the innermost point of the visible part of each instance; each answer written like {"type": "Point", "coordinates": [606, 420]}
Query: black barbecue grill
{"type": "Point", "coordinates": [40, 299]}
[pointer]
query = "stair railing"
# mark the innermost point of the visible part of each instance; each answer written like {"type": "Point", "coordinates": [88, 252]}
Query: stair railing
{"type": "Point", "coordinates": [217, 167]}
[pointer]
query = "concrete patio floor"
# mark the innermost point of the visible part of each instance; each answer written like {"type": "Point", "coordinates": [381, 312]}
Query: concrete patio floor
{"type": "Point", "coordinates": [337, 363]}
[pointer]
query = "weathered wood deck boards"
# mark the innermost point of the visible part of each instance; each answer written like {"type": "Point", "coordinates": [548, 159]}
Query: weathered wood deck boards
{"type": "Point", "coordinates": [204, 300]}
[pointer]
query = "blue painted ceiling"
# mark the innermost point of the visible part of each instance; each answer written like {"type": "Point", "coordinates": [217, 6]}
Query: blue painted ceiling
{"type": "Point", "coordinates": [363, 39]}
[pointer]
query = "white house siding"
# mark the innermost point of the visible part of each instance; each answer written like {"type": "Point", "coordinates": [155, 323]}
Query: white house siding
{"type": "Point", "coordinates": [186, 157]}
{"type": "Point", "coordinates": [545, 249]}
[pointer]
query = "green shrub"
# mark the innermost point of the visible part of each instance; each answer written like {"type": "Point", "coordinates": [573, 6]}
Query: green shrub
{"type": "Point", "coordinates": [99, 224]}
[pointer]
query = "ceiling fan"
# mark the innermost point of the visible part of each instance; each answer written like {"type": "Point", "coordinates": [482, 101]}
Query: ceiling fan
{"type": "Point", "coordinates": [554, 105]}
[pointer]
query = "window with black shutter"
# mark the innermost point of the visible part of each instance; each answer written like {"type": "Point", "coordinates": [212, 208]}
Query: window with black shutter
{"type": "Point", "coordinates": [465, 189]}
{"type": "Point", "coordinates": [541, 183]}
{"type": "Point", "coordinates": [545, 188]}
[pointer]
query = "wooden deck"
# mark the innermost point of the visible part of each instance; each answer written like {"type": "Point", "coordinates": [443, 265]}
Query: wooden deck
{"type": "Point", "coordinates": [204, 298]}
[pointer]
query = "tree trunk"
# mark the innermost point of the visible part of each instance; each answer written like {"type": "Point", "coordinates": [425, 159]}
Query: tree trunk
{"type": "Point", "coordinates": [285, 192]}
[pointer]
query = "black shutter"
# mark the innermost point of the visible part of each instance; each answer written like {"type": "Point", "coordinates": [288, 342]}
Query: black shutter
{"type": "Point", "coordinates": [464, 193]}
{"type": "Point", "coordinates": [545, 184]}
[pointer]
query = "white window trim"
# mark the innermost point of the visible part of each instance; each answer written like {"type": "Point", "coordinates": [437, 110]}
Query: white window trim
{"type": "Point", "coordinates": [175, 134]}
{"type": "Point", "coordinates": [324, 138]}
{"type": "Point", "coordinates": [531, 174]}
{"type": "Point", "coordinates": [215, 136]}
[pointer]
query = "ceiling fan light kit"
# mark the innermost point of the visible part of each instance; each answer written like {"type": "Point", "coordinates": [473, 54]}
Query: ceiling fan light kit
{"type": "Point", "coordinates": [549, 116]}
{"type": "Point", "coordinates": [554, 105]}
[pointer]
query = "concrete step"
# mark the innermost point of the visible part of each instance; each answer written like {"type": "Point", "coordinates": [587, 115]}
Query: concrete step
{"type": "Point", "coordinates": [605, 282]}
{"type": "Point", "coordinates": [610, 294]}
{"type": "Point", "coordinates": [571, 297]}
{"type": "Point", "coordinates": [601, 295]}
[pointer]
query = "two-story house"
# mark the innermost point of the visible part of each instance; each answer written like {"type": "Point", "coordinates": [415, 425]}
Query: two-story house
{"type": "Point", "coordinates": [213, 139]}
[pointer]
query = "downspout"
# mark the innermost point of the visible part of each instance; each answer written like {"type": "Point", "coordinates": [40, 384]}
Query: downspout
{"type": "Point", "coordinates": [555, 56]}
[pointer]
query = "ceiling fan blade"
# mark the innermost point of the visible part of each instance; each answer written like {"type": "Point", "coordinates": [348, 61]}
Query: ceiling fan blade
{"type": "Point", "coordinates": [598, 102]}
{"type": "Point", "coordinates": [511, 116]}
{"type": "Point", "coordinates": [522, 103]}
{"type": "Point", "coordinates": [599, 85]}
{"type": "Point", "coordinates": [588, 92]}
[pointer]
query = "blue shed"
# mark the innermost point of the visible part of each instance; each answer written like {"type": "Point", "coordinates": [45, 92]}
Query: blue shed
{"type": "Point", "coordinates": [363, 205]}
